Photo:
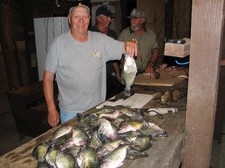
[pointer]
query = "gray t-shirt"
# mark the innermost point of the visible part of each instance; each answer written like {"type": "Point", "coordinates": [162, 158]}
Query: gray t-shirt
{"type": "Point", "coordinates": [80, 69]}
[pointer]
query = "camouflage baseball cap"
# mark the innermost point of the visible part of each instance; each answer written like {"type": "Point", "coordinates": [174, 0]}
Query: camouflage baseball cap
{"type": "Point", "coordinates": [137, 13]}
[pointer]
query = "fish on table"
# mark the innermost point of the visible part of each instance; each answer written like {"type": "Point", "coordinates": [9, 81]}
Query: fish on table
{"type": "Point", "coordinates": [104, 138]}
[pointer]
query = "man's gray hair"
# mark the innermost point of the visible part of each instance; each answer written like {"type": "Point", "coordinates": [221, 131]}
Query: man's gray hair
{"type": "Point", "coordinates": [79, 5]}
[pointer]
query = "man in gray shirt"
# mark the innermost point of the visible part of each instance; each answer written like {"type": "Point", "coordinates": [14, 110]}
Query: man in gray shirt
{"type": "Point", "coordinates": [78, 60]}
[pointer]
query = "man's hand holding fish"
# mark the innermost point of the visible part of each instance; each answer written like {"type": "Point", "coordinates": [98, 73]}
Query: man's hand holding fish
{"type": "Point", "coordinates": [131, 48]}
{"type": "Point", "coordinates": [129, 69]}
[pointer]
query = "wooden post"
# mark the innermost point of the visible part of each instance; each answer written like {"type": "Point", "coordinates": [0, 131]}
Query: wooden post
{"type": "Point", "coordinates": [220, 112]}
{"type": "Point", "coordinates": [9, 46]}
{"type": "Point", "coordinates": [206, 35]}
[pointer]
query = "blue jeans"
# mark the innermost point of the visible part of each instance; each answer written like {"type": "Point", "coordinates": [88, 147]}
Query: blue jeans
{"type": "Point", "coordinates": [65, 116]}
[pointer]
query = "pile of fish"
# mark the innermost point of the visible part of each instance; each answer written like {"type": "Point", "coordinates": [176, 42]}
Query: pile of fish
{"type": "Point", "coordinates": [103, 138]}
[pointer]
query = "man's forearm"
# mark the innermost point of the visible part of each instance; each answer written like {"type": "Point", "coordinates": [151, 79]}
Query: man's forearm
{"type": "Point", "coordinates": [49, 90]}
{"type": "Point", "coordinates": [154, 57]}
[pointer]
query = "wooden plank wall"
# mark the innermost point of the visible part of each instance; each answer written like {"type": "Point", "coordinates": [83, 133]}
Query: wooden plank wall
{"type": "Point", "coordinates": [155, 15]}
{"type": "Point", "coordinates": [154, 11]}
{"type": "Point", "coordinates": [182, 18]}
{"type": "Point", "coordinates": [206, 46]}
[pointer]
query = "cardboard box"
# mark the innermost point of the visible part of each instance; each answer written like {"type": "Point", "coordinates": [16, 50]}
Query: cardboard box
{"type": "Point", "coordinates": [177, 50]}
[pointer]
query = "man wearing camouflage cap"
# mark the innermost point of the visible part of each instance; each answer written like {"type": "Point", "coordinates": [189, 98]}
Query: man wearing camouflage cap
{"type": "Point", "coordinates": [146, 39]}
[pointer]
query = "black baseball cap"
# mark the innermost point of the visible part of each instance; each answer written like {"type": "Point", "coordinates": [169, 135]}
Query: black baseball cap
{"type": "Point", "coordinates": [104, 10]}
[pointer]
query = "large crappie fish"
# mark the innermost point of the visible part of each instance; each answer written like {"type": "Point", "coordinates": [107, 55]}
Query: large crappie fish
{"type": "Point", "coordinates": [106, 129]}
{"type": "Point", "coordinates": [115, 158]}
{"type": "Point", "coordinates": [109, 147]}
{"type": "Point", "coordinates": [78, 138]}
{"type": "Point", "coordinates": [65, 160]}
{"type": "Point", "coordinates": [62, 131]}
{"type": "Point", "coordinates": [128, 74]}
{"type": "Point", "coordinates": [87, 158]}
{"type": "Point", "coordinates": [39, 153]}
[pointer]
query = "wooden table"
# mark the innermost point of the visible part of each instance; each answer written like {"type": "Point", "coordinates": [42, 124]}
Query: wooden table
{"type": "Point", "coordinates": [165, 152]}
{"type": "Point", "coordinates": [167, 79]}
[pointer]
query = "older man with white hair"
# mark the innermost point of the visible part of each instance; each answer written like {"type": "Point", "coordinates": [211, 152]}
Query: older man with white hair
{"type": "Point", "coordinates": [78, 59]}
